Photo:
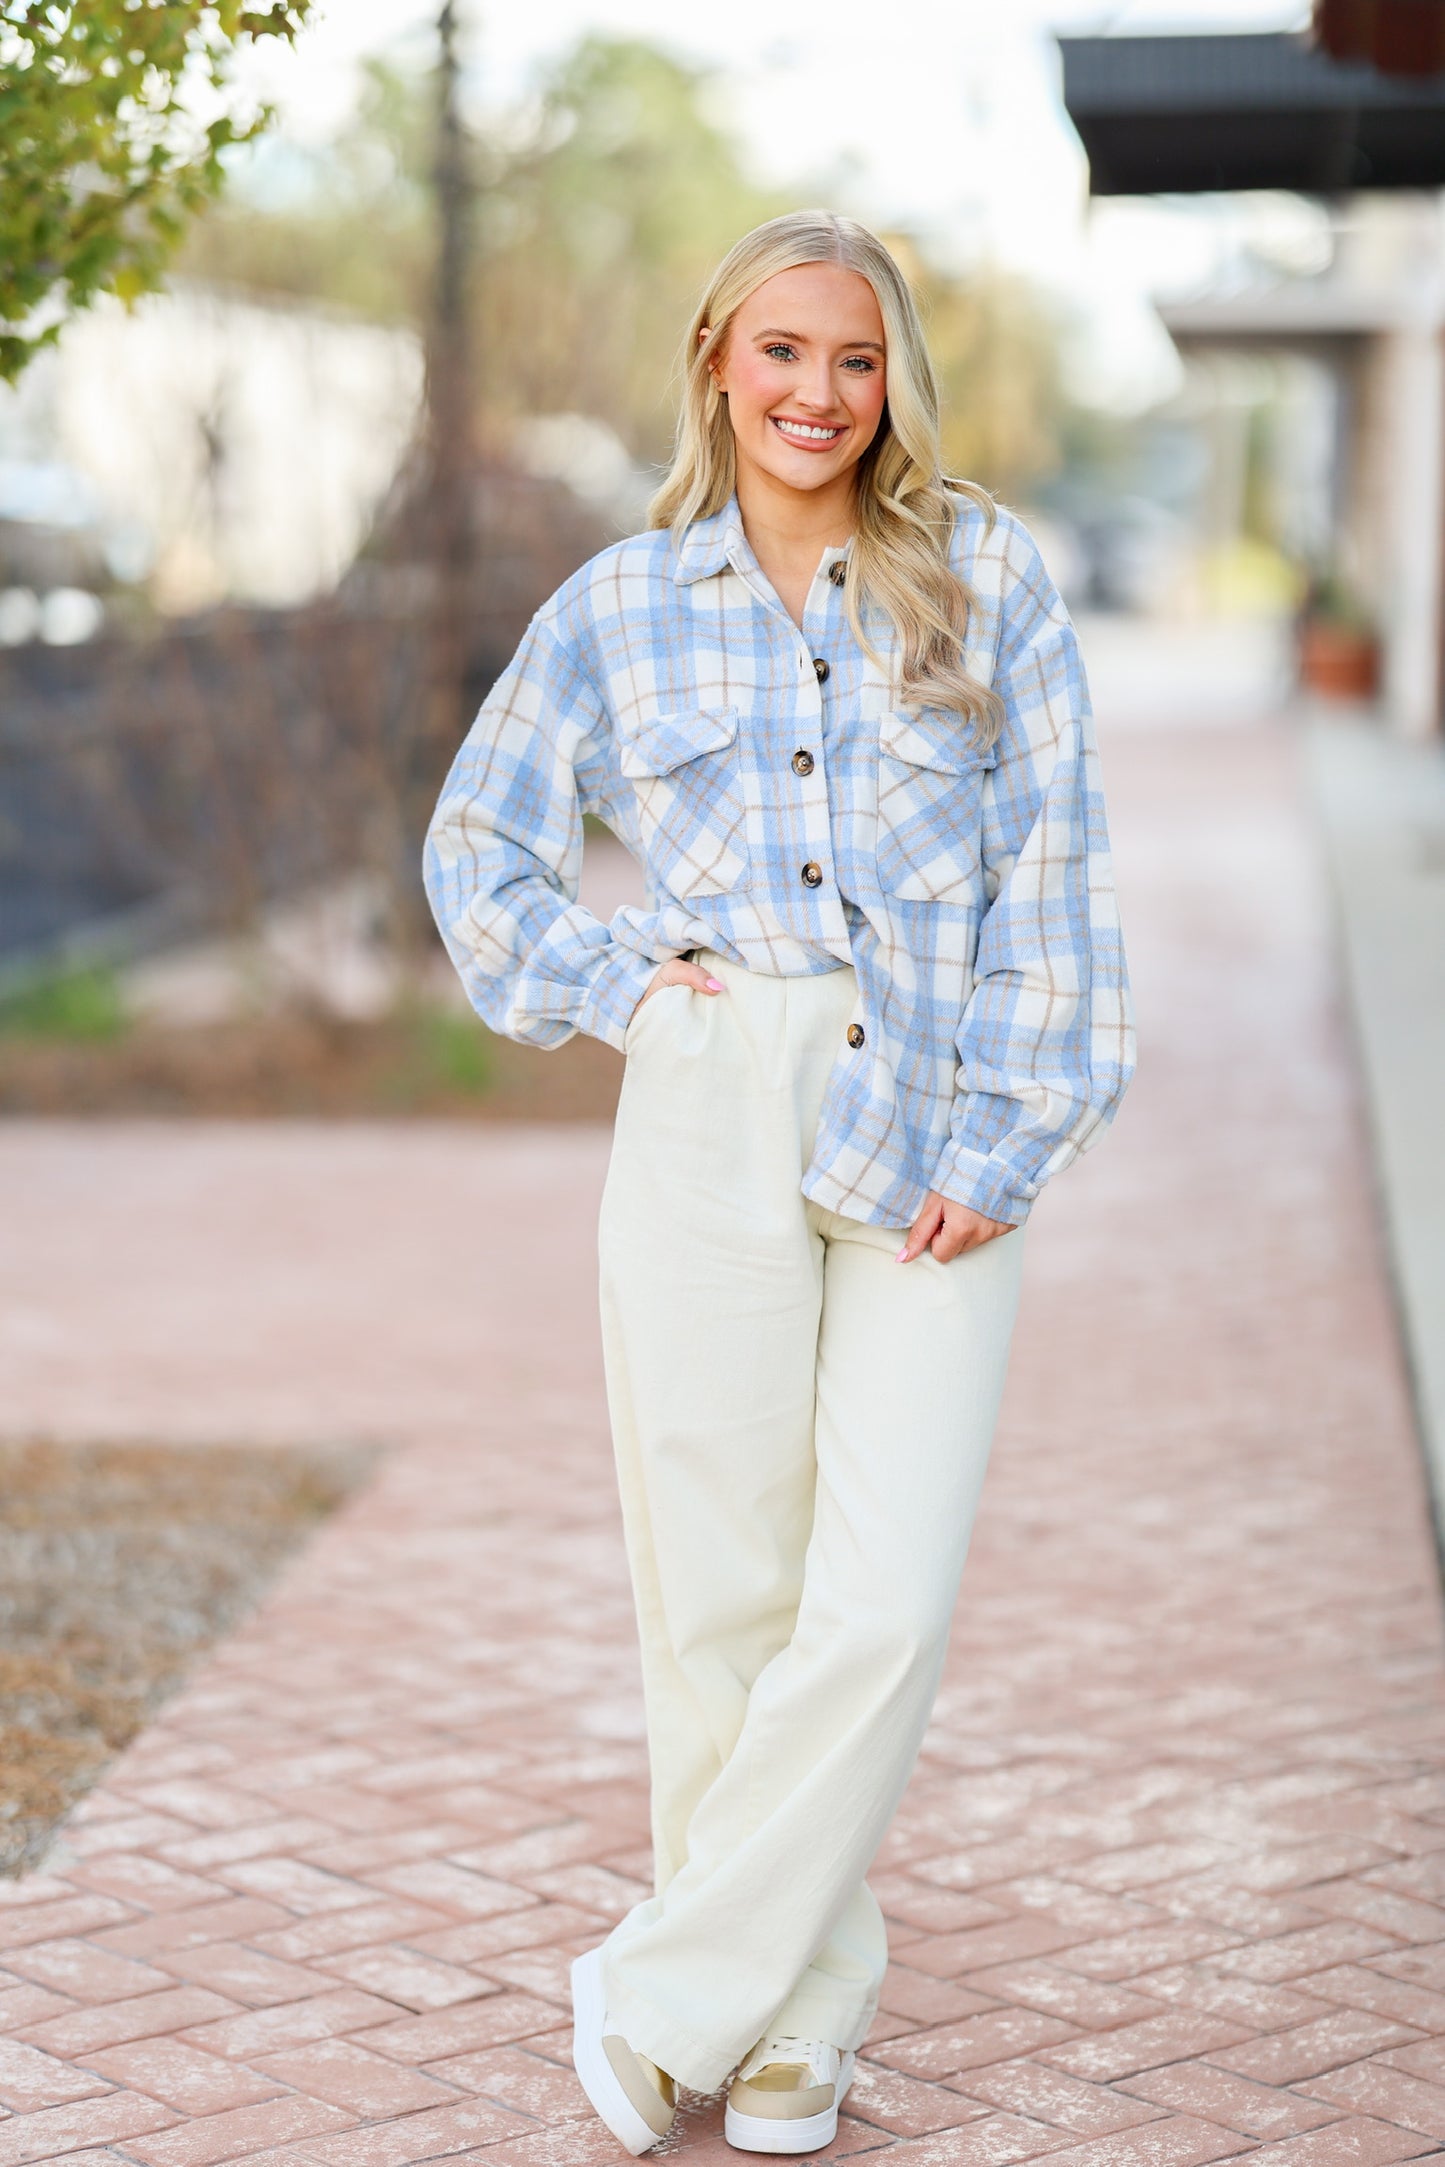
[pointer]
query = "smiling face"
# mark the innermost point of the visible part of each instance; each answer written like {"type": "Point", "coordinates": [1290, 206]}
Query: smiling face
{"type": "Point", "coordinates": [803, 371]}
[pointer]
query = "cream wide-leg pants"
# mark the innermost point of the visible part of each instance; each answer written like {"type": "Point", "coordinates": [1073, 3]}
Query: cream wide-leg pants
{"type": "Point", "coordinates": [801, 1427]}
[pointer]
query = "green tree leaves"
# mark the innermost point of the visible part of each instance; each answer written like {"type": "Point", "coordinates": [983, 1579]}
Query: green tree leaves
{"type": "Point", "coordinates": [114, 118]}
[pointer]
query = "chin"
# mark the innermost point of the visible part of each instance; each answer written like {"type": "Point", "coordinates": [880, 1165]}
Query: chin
{"type": "Point", "coordinates": [804, 471]}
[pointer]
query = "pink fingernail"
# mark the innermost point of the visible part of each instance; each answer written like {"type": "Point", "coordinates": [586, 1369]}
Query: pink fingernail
{"type": "Point", "coordinates": [902, 1256]}
{"type": "Point", "coordinates": [714, 985]}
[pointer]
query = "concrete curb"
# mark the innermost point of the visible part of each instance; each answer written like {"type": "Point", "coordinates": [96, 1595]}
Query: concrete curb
{"type": "Point", "coordinates": [1380, 802]}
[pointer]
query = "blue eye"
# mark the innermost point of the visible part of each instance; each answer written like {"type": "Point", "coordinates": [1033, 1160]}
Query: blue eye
{"type": "Point", "coordinates": [773, 352]}
{"type": "Point", "coordinates": [861, 364]}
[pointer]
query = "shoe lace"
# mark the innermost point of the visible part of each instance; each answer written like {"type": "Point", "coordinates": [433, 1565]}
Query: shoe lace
{"type": "Point", "coordinates": [814, 2055]}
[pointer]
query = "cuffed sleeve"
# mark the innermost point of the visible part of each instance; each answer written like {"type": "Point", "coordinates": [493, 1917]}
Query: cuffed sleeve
{"type": "Point", "coordinates": [504, 856]}
{"type": "Point", "coordinates": [1046, 1043]}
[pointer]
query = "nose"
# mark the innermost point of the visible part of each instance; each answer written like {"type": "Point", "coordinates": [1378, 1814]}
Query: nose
{"type": "Point", "coordinates": [815, 389]}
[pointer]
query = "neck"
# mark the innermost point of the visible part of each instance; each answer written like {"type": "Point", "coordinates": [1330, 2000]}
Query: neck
{"type": "Point", "coordinates": [777, 517]}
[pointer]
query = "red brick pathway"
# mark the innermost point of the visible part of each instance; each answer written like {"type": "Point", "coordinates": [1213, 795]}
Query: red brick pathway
{"type": "Point", "coordinates": [1170, 1884]}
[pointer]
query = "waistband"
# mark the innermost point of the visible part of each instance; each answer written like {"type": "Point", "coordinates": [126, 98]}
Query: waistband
{"type": "Point", "coordinates": [724, 967]}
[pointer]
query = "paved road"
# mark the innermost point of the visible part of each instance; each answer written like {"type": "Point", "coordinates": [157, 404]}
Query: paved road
{"type": "Point", "coordinates": [1169, 1886]}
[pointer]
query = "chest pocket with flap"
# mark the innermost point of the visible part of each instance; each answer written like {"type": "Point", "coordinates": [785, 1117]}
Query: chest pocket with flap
{"type": "Point", "coordinates": [931, 772]}
{"type": "Point", "coordinates": [685, 769]}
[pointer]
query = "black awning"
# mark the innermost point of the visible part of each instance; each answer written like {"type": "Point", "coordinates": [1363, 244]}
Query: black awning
{"type": "Point", "coordinates": [1181, 115]}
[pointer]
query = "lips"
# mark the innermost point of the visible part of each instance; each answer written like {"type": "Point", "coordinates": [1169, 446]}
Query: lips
{"type": "Point", "coordinates": [812, 436]}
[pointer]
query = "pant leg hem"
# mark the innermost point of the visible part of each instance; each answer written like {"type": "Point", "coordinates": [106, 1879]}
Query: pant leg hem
{"type": "Point", "coordinates": [813, 2013]}
{"type": "Point", "coordinates": [703, 2067]}
{"type": "Point", "coordinates": [692, 2061]}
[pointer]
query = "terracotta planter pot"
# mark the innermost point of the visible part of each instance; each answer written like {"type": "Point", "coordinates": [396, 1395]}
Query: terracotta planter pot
{"type": "Point", "coordinates": [1337, 661]}
{"type": "Point", "coordinates": [1409, 37]}
{"type": "Point", "coordinates": [1343, 27]}
{"type": "Point", "coordinates": [1400, 37]}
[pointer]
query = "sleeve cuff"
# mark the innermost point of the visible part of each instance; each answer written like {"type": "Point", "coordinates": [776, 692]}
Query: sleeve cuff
{"type": "Point", "coordinates": [615, 988]}
{"type": "Point", "coordinates": [984, 1183]}
{"type": "Point", "coordinates": [578, 977]}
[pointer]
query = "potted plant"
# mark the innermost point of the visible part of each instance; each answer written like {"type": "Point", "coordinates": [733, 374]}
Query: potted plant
{"type": "Point", "coordinates": [1337, 645]}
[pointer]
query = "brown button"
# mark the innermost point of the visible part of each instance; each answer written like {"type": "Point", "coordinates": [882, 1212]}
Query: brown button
{"type": "Point", "coordinates": [820, 669]}
{"type": "Point", "coordinates": [838, 571]}
{"type": "Point", "coordinates": [812, 874]}
{"type": "Point", "coordinates": [802, 761]}
{"type": "Point", "coordinates": [856, 1034]}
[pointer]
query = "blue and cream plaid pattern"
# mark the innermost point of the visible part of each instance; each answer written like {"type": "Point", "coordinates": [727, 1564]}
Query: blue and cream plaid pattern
{"type": "Point", "coordinates": [794, 817]}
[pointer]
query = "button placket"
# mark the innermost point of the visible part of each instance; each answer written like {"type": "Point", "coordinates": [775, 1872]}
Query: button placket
{"type": "Point", "coordinates": [807, 763]}
{"type": "Point", "coordinates": [804, 762]}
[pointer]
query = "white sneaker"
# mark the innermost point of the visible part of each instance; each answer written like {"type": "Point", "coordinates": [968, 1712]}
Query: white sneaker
{"type": "Point", "coordinates": [635, 2098]}
{"type": "Point", "coordinates": [786, 2095]}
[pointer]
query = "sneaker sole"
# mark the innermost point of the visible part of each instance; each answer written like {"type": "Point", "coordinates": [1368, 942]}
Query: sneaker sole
{"type": "Point", "coordinates": [763, 2133]}
{"type": "Point", "coordinates": [595, 2073]}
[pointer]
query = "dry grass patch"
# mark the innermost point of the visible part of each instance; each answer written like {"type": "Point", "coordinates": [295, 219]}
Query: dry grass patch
{"type": "Point", "coordinates": [119, 1565]}
{"type": "Point", "coordinates": [433, 1062]}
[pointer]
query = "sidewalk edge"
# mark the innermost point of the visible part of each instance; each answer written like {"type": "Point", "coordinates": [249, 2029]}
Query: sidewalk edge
{"type": "Point", "coordinates": [1380, 808]}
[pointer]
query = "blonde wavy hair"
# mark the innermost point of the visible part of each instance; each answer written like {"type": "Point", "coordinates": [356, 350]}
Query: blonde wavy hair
{"type": "Point", "coordinates": [898, 566]}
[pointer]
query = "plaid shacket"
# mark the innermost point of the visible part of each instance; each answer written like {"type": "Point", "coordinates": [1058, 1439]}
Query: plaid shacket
{"type": "Point", "coordinates": [794, 818]}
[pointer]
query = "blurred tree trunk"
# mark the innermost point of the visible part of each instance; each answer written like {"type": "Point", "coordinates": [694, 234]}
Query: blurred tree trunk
{"type": "Point", "coordinates": [447, 509]}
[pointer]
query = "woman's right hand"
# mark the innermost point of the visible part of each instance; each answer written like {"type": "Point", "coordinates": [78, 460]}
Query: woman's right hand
{"type": "Point", "coordinates": [675, 972]}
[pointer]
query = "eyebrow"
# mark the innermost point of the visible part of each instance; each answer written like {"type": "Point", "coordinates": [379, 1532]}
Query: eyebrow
{"type": "Point", "coordinates": [873, 345]}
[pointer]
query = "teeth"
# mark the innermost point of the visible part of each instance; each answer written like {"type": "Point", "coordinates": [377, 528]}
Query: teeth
{"type": "Point", "coordinates": [797, 428]}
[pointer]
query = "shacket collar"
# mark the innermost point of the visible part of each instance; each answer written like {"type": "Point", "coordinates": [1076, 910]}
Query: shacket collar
{"type": "Point", "coordinates": [711, 545]}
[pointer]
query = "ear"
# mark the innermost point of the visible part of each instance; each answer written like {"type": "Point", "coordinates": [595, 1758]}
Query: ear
{"type": "Point", "coordinates": [714, 366]}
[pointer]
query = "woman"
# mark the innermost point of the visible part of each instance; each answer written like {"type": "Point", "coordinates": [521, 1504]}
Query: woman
{"type": "Point", "coordinates": [835, 707]}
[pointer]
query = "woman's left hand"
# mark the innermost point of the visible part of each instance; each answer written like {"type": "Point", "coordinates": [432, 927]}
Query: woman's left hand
{"type": "Point", "coordinates": [948, 1229]}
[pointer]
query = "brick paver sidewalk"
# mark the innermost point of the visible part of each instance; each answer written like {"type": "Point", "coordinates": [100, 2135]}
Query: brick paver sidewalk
{"type": "Point", "coordinates": [1170, 1884]}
